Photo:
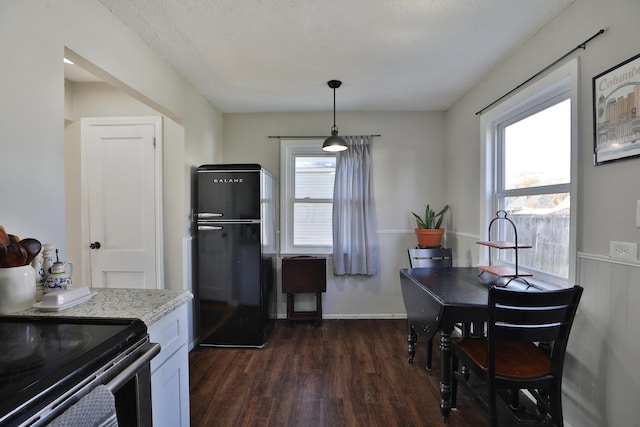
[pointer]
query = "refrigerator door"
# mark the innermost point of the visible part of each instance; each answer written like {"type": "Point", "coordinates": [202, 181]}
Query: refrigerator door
{"type": "Point", "coordinates": [228, 192]}
{"type": "Point", "coordinates": [230, 294]}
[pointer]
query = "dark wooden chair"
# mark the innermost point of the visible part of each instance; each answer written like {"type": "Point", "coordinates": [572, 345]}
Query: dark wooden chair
{"type": "Point", "coordinates": [431, 257]}
{"type": "Point", "coordinates": [527, 334]}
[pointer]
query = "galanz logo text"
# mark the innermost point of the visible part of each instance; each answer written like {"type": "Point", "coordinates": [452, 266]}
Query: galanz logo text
{"type": "Point", "coordinates": [227, 180]}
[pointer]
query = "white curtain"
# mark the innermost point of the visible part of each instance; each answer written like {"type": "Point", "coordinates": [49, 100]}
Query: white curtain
{"type": "Point", "coordinates": [355, 246]}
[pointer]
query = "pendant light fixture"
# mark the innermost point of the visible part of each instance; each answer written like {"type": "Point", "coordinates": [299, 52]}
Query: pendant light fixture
{"type": "Point", "coordinates": [334, 142]}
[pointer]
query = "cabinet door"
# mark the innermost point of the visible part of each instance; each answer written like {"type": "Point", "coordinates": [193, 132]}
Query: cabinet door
{"type": "Point", "coordinates": [170, 403]}
{"type": "Point", "coordinates": [228, 195]}
{"type": "Point", "coordinates": [170, 370]}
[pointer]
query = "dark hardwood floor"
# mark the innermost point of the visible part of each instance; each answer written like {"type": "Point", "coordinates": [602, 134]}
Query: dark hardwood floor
{"type": "Point", "coordinates": [343, 373]}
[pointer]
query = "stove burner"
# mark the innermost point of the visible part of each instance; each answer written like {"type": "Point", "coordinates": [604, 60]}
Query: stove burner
{"type": "Point", "coordinates": [21, 369]}
{"type": "Point", "coordinates": [28, 349]}
{"type": "Point", "coordinates": [65, 339]}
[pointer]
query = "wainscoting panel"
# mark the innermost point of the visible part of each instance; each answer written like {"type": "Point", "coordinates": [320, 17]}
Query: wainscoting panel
{"type": "Point", "coordinates": [602, 372]}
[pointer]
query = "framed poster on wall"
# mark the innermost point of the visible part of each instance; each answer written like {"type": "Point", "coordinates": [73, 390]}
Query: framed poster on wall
{"type": "Point", "coordinates": [616, 112]}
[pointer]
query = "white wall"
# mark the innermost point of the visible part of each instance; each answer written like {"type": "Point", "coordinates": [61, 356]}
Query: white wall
{"type": "Point", "coordinates": [601, 381]}
{"type": "Point", "coordinates": [34, 35]}
{"type": "Point", "coordinates": [408, 173]}
{"type": "Point", "coordinates": [102, 100]}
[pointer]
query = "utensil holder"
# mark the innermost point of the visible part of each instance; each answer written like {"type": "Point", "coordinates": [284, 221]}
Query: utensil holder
{"type": "Point", "coordinates": [17, 288]}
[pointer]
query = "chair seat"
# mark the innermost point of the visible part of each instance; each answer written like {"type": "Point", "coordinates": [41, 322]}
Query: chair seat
{"type": "Point", "coordinates": [514, 359]}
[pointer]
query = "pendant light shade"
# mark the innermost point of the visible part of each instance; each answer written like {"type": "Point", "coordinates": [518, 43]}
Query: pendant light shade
{"type": "Point", "coordinates": [334, 142]}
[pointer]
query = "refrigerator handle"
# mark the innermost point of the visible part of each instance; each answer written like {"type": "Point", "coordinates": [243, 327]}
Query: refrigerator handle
{"type": "Point", "coordinates": [209, 227]}
{"type": "Point", "coordinates": [209, 215]}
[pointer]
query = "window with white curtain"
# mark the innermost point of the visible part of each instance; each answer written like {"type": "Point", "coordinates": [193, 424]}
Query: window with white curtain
{"type": "Point", "coordinates": [307, 177]}
{"type": "Point", "coordinates": [529, 169]}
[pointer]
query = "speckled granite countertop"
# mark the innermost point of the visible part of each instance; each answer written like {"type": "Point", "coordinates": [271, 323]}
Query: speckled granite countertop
{"type": "Point", "coordinates": [148, 305]}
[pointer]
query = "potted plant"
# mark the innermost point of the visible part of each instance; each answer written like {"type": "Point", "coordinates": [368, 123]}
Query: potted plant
{"type": "Point", "coordinates": [428, 229]}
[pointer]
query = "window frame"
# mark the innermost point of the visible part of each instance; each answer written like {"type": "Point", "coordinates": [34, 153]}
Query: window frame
{"type": "Point", "coordinates": [289, 150]}
{"type": "Point", "coordinates": [553, 88]}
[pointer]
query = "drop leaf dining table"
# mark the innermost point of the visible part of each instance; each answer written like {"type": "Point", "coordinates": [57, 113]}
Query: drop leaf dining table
{"type": "Point", "coordinates": [437, 298]}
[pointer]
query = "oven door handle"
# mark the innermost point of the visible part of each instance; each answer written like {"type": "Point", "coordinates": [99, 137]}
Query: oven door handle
{"type": "Point", "coordinates": [148, 351]}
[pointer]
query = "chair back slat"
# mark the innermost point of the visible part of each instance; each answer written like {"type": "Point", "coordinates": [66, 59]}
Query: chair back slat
{"type": "Point", "coordinates": [533, 316]}
{"type": "Point", "coordinates": [534, 298]}
{"type": "Point", "coordinates": [548, 333]}
{"type": "Point", "coordinates": [430, 257]}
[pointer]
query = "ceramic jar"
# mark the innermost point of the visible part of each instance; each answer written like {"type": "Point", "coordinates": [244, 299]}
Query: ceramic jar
{"type": "Point", "coordinates": [17, 288]}
{"type": "Point", "coordinates": [38, 267]}
{"type": "Point", "coordinates": [48, 258]}
{"type": "Point", "coordinates": [58, 278]}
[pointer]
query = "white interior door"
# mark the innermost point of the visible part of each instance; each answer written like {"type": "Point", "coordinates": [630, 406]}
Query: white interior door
{"type": "Point", "coordinates": [122, 201]}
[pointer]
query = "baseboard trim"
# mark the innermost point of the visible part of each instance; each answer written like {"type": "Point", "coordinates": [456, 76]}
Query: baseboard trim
{"type": "Point", "coordinates": [352, 316]}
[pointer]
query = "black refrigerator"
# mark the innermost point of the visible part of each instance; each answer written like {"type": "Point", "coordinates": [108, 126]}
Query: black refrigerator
{"type": "Point", "coordinates": [234, 222]}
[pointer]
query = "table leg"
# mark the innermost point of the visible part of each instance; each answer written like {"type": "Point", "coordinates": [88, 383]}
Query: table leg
{"type": "Point", "coordinates": [445, 383]}
{"type": "Point", "coordinates": [412, 338]}
{"type": "Point", "coordinates": [319, 308]}
{"type": "Point", "coordinates": [290, 309]}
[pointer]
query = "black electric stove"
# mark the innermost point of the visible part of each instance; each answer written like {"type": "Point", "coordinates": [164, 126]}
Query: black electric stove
{"type": "Point", "coordinates": [44, 357]}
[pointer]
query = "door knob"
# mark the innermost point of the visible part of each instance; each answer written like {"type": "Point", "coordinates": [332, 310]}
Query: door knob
{"type": "Point", "coordinates": [95, 245]}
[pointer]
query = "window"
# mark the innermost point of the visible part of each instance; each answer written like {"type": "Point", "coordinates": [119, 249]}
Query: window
{"type": "Point", "coordinates": [529, 141]}
{"type": "Point", "coordinates": [307, 197]}
{"type": "Point", "coordinates": [534, 168]}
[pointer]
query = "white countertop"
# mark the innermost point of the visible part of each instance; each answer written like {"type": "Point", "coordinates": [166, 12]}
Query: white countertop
{"type": "Point", "coordinates": [148, 305]}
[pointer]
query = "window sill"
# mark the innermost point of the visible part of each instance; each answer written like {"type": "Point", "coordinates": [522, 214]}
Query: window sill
{"type": "Point", "coordinates": [318, 254]}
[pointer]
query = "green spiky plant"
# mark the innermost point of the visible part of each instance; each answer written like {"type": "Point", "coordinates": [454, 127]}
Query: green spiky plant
{"type": "Point", "coordinates": [431, 220]}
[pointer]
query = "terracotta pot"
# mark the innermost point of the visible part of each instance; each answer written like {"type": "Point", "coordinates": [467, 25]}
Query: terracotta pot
{"type": "Point", "coordinates": [429, 238]}
{"type": "Point", "coordinates": [17, 288]}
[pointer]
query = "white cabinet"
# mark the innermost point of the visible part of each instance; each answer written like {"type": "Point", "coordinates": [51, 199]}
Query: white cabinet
{"type": "Point", "coordinates": [170, 370]}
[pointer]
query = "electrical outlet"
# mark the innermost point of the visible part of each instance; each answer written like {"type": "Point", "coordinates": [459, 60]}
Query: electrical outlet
{"type": "Point", "coordinates": [623, 250]}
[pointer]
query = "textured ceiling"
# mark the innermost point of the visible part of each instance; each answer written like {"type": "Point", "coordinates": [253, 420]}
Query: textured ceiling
{"type": "Point", "coordinates": [277, 55]}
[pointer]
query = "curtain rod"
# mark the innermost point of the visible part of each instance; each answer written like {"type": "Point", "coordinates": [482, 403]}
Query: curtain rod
{"type": "Point", "coordinates": [582, 45]}
{"type": "Point", "coordinates": [308, 137]}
